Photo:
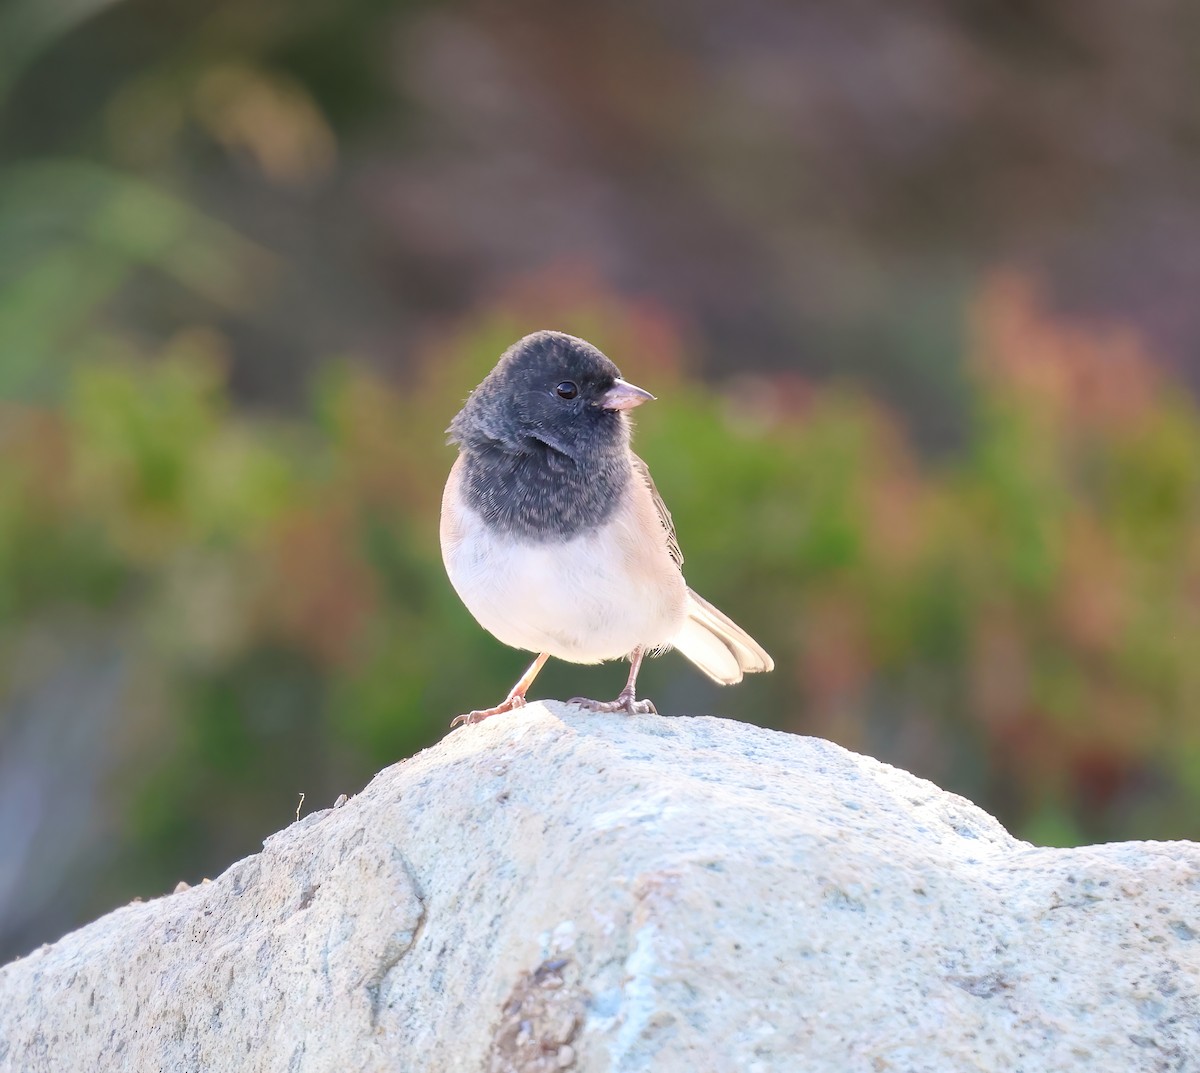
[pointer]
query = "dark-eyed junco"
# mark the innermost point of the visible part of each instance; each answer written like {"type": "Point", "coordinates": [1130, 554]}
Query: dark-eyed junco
{"type": "Point", "coordinates": [554, 535]}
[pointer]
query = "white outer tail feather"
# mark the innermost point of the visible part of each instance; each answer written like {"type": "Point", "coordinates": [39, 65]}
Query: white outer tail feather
{"type": "Point", "coordinates": [718, 645]}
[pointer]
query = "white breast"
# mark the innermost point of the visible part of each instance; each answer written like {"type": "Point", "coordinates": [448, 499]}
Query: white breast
{"type": "Point", "coordinates": [586, 599]}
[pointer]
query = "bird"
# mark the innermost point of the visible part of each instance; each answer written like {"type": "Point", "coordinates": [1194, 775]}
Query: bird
{"type": "Point", "coordinates": [555, 537]}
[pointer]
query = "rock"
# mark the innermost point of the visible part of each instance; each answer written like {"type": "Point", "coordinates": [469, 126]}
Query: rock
{"type": "Point", "coordinates": [554, 890]}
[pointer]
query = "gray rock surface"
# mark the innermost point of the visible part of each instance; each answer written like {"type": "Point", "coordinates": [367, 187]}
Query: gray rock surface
{"type": "Point", "coordinates": [557, 890]}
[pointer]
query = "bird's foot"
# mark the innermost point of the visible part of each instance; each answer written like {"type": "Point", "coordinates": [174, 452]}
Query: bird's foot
{"type": "Point", "coordinates": [626, 702]}
{"type": "Point", "coordinates": [507, 705]}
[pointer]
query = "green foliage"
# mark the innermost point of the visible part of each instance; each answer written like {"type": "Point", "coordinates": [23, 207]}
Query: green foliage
{"type": "Point", "coordinates": [1016, 622]}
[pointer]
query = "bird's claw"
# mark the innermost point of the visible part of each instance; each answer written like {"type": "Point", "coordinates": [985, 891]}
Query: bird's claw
{"type": "Point", "coordinates": [479, 715]}
{"type": "Point", "coordinates": [626, 702]}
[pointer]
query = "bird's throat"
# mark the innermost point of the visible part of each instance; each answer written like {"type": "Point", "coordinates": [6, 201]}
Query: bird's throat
{"type": "Point", "coordinates": [540, 494]}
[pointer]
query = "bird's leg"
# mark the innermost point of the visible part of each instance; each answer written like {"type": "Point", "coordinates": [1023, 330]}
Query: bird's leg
{"type": "Point", "coordinates": [515, 698]}
{"type": "Point", "coordinates": [627, 699]}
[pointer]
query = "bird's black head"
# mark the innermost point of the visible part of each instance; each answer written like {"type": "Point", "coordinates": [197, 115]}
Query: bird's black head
{"type": "Point", "coordinates": [550, 390]}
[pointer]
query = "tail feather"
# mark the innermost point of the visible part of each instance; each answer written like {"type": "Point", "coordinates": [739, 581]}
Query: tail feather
{"type": "Point", "coordinates": [718, 645]}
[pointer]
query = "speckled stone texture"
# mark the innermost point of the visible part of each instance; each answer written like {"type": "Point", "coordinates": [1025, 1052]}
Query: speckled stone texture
{"type": "Point", "coordinates": [554, 890]}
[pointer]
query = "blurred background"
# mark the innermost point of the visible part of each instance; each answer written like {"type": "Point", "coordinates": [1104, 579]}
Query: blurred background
{"type": "Point", "coordinates": [916, 287]}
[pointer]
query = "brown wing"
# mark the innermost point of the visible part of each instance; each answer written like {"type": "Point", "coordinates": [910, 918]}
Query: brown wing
{"type": "Point", "coordinates": [640, 469]}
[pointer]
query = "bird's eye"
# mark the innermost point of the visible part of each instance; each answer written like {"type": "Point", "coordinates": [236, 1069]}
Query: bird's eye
{"type": "Point", "coordinates": [567, 390]}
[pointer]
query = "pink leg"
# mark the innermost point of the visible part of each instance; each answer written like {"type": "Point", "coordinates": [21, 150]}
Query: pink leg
{"type": "Point", "coordinates": [515, 698]}
{"type": "Point", "coordinates": [627, 699]}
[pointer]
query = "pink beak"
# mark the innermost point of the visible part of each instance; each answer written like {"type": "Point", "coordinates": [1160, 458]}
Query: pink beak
{"type": "Point", "coordinates": [624, 396]}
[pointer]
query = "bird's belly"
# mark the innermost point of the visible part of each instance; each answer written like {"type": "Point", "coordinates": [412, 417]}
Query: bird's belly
{"type": "Point", "coordinates": [586, 599]}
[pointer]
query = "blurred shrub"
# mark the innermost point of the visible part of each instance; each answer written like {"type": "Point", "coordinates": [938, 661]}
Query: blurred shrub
{"type": "Point", "coordinates": [207, 609]}
{"type": "Point", "coordinates": [1018, 622]}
